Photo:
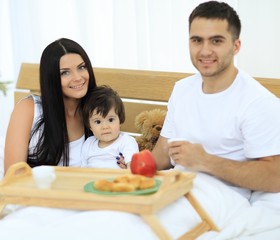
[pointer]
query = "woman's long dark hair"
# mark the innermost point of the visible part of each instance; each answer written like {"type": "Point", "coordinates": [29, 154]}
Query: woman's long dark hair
{"type": "Point", "coordinates": [53, 142]}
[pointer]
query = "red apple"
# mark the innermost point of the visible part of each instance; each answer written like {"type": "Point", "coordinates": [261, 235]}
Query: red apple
{"type": "Point", "coordinates": [143, 163]}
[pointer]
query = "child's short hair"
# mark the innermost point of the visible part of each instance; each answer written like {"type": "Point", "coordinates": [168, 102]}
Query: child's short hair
{"type": "Point", "coordinates": [102, 99]}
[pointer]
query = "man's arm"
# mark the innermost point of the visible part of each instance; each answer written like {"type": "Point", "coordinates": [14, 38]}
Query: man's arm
{"type": "Point", "coordinates": [160, 152]}
{"type": "Point", "coordinates": [262, 174]}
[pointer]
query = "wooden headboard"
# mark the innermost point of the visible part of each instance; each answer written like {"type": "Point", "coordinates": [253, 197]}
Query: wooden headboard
{"type": "Point", "coordinates": [140, 90]}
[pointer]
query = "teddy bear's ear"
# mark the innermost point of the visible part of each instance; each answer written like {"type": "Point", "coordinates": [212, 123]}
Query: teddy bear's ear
{"type": "Point", "coordinates": [140, 119]}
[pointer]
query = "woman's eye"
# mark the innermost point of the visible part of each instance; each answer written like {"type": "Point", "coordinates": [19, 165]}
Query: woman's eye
{"type": "Point", "coordinates": [83, 67]}
{"type": "Point", "coordinates": [64, 73]}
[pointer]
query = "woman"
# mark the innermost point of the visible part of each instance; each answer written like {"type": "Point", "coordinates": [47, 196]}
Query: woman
{"type": "Point", "coordinates": [49, 129]}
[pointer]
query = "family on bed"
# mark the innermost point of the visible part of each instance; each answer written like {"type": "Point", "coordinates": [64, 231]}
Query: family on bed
{"type": "Point", "coordinates": [227, 122]}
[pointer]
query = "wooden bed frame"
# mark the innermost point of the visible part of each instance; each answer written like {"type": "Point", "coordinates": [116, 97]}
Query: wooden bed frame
{"type": "Point", "coordinates": [140, 90]}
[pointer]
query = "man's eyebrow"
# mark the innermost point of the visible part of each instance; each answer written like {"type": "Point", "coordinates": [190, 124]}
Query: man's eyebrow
{"type": "Point", "coordinates": [194, 37]}
{"type": "Point", "coordinates": [217, 36]}
{"type": "Point", "coordinates": [212, 37]}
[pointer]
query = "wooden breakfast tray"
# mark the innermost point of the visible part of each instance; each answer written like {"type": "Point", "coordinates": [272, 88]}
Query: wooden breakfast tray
{"type": "Point", "coordinates": [18, 187]}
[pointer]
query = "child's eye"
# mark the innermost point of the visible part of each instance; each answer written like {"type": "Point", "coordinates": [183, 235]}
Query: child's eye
{"type": "Point", "coordinates": [97, 121]}
{"type": "Point", "coordinates": [111, 119]}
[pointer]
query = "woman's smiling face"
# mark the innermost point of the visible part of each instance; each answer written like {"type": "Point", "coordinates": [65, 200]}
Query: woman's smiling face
{"type": "Point", "coordinates": [74, 76]}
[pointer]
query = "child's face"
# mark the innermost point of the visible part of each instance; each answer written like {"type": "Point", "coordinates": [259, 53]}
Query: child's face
{"type": "Point", "coordinates": [107, 129]}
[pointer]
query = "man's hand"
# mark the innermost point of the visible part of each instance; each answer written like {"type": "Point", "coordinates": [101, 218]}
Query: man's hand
{"type": "Point", "coordinates": [189, 155]}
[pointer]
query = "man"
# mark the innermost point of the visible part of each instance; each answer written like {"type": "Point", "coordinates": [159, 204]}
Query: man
{"type": "Point", "coordinates": [230, 122]}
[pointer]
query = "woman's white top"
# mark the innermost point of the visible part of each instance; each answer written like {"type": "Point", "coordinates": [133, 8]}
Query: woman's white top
{"type": "Point", "coordinates": [74, 146]}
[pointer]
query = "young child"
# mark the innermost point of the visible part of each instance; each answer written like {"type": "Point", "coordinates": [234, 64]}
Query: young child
{"type": "Point", "coordinates": [104, 113]}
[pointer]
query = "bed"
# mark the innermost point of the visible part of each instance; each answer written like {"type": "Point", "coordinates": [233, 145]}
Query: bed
{"type": "Point", "coordinates": [235, 216]}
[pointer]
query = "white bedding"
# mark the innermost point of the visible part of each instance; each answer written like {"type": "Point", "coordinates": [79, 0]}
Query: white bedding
{"type": "Point", "coordinates": [229, 210]}
{"type": "Point", "coordinates": [235, 216]}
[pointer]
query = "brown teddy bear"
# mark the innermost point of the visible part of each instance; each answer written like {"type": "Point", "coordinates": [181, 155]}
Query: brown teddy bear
{"type": "Point", "coordinates": [149, 124]}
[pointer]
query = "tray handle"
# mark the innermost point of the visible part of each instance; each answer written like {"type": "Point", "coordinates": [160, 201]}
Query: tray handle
{"type": "Point", "coordinates": [169, 177]}
{"type": "Point", "coordinates": [15, 171]}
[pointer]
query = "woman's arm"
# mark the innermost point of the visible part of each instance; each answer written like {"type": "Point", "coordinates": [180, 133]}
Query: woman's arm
{"type": "Point", "coordinates": [18, 133]}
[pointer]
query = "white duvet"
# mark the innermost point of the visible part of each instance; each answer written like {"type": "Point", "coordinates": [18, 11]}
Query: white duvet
{"type": "Point", "coordinates": [234, 215]}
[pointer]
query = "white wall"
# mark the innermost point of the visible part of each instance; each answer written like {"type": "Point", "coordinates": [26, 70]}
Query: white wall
{"type": "Point", "coordinates": [146, 34]}
{"type": "Point", "coordinates": [260, 37]}
{"type": "Point", "coordinates": [6, 106]}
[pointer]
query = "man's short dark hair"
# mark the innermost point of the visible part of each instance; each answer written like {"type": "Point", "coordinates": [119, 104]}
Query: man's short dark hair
{"type": "Point", "coordinates": [218, 10]}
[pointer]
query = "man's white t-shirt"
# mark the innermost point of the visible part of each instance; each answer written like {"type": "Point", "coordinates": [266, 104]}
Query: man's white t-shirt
{"type": "Point", "coordinates": [241, 123]}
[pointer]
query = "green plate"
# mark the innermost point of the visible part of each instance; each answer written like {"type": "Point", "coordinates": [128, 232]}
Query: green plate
{"type": "Point", "coordinates": [89, 187]}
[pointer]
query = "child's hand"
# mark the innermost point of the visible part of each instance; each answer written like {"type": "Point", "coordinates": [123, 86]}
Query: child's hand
{"type": "Point", "coordinates": [120, 161]}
